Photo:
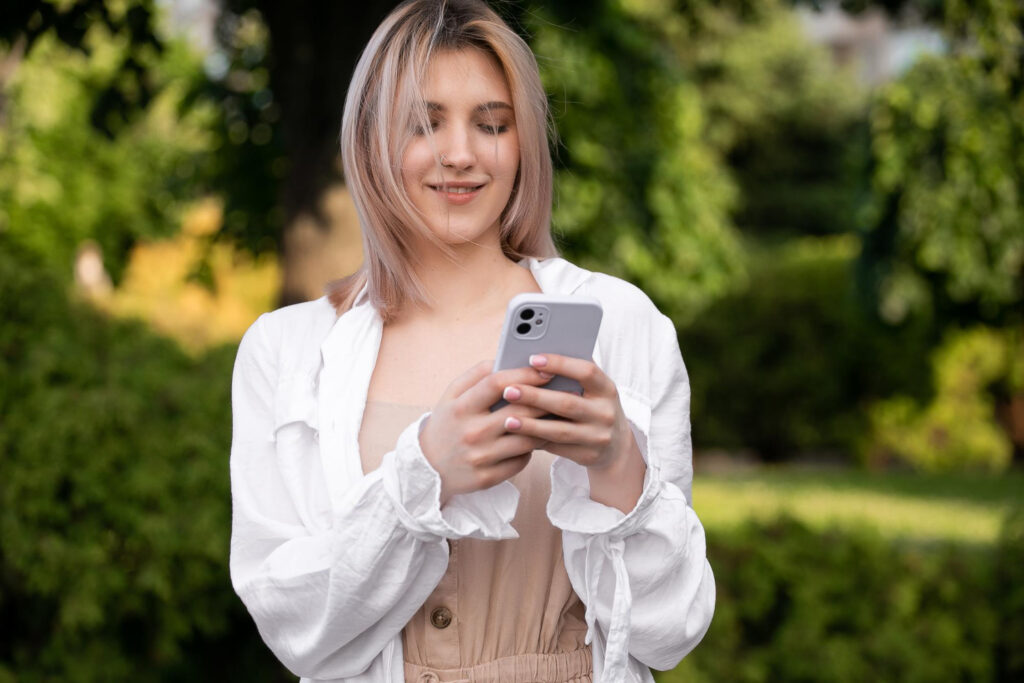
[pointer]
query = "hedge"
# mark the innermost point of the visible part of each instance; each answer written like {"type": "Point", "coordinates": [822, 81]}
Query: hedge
{"type": "Point", "coordinates": [791, 363]}
{"type": "Point", "coordinates": [114, 499]}
{"type": "Point", "coordinates": [847, 605]}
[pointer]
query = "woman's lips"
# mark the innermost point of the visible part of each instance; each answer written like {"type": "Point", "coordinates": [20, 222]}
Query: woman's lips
{"type": "Point", "coordinates": [457, 194]}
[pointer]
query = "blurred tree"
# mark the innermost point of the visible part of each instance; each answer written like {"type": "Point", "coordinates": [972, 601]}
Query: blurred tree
{"type": "Point", "coordinates": [280, 79]}
{"type": "Point", "coordinates": [160, 285]}
{"type": "Point", "coordinates": [789, 122]}
{"type": "Point", "coordinates": [125, 89]}
{"type": "Point", "coordinates": [63, 181]}
{"type": "Point", "coordinates": [639, 191]}
{"type": "Point", "coordinates": [948, 175]}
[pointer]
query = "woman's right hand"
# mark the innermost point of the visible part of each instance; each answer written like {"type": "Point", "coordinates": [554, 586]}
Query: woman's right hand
{"type": "Point", "coordinates": [466, 443]}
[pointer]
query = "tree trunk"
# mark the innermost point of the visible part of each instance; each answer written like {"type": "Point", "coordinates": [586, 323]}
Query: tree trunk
{"type": "Point", "coordinates": [314, 46]}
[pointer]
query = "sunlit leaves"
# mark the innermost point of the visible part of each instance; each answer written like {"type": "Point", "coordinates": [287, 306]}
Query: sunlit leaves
{"type": "Point", "coordinates": [947, 229]}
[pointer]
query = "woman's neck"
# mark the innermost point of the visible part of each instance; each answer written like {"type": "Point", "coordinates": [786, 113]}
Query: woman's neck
{"type": "Point", "coordinates": [477, 283]}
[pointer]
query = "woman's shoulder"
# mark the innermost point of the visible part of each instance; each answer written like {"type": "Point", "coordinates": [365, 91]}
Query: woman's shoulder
{"type": "Point", "coordinates": [623, 297]}
{"type": "Point", "coordinates": [635, 337]}
{"type": "Point", "coordinates": [623, 302]}
{"type": "Point", "coordinates": [315, 313]}
{"type": "Point", "coordinates": [632, 327]}
{"type": "Point", "coordinates": [293, 327]}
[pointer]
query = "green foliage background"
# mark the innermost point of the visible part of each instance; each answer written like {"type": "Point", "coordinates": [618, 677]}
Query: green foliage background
{"type": "Point", "coordinates": [114, 501]}
{"type": "Point", "coordinates": [844, 605]}
{"type": "Point", "coordinates": [790, 362]}
{"type": "Point", "coordinates": [945, 233]}
{"type": "Point", "coordinates": [63, 182]}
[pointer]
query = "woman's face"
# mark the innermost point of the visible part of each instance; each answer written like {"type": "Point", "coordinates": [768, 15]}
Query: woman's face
{"type": "Point", "coordinates": [474, 131]}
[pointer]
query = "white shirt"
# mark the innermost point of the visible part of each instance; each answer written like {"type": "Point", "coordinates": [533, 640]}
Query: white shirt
{"type": "Point", "coordinates": [332, 563]}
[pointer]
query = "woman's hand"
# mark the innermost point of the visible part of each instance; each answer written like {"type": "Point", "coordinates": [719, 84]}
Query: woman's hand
{"type": "Point", "coordinates": [466, 443]}
{"type": "Point", "coordinates": [593, 430]}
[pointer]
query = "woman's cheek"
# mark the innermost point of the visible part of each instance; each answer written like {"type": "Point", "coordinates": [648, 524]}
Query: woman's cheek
{"type": "Point", "coordinates": [417, 160]}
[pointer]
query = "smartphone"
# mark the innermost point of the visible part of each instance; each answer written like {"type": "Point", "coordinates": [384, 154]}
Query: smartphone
{"type": "Point", "coordinates": [547, 323]}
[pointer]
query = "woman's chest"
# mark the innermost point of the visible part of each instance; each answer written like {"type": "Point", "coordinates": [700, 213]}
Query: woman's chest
{"type": "Point", "coordinates": [414, 367]}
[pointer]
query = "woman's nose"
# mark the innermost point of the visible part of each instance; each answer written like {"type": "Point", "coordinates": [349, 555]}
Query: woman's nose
{"type": "Point", "coordinates": [456, 149]}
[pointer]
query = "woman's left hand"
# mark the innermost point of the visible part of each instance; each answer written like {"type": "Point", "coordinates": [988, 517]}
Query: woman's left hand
{"type": "Point", "coordinates": [593, 430]}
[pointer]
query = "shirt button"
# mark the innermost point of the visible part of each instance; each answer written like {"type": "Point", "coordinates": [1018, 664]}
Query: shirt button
{"type": "Point", "coordinates": [441, 617]}
{"type": "Point", "coordinates": [428, 677]}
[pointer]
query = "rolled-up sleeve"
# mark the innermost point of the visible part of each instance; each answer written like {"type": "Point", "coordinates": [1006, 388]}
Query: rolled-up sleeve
{"type": "Point", "coordinates": [644, 577]}
{"type": "Point", "coordinates": [328, 593]}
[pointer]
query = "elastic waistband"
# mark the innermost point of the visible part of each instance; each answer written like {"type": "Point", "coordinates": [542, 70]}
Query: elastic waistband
{"type": "Point", "coordinates": [560, 667]}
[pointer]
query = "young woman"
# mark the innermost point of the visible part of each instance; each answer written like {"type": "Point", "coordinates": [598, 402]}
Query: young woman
{"type": "Point", "coordinates": [387, 526]}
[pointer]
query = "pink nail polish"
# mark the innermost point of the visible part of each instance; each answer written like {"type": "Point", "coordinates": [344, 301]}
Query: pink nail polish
{"type": "Point", "coordinates": [512, 423]}
{"type": "Point", "coordinates": [511, 394]}
{"type": "Point", "coordinates": [538, 361]}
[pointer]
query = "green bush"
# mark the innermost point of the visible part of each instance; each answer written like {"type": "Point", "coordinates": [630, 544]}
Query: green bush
{"type": "Point", "coordinates": [114, 498]}
{"type": "Point", "coordinates": [791, 362]}
{"type": "Point", "coordinates": [847, 605]}
{"type": "Point", "coordinates": [957, 430]}
{"type": "Point", "coordinates": [1009, 596]}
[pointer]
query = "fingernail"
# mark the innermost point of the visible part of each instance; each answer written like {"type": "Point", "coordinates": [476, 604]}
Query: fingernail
{"type": "Point", "coordinates": [538, 361]}
{"type": "Point", "coordinates": [511, 394]}
{"type": "Point", "coordinates": [512, 423]}
{"type": "Point", "coordinates": [545, 375]}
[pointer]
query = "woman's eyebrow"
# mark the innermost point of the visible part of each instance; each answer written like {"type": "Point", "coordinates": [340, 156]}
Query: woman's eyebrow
{"type": "Point", "coordinates": [486, 106]}
{"type": "Point", "coordinates": [490, 106]}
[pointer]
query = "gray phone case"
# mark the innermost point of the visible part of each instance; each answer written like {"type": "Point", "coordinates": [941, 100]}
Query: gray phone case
{"type": "Point", "coordinates": [566, 325]}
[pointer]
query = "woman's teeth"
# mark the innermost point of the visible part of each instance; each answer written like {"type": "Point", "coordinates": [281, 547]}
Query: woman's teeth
{"type": "Point", "coordinates": [458, 190]}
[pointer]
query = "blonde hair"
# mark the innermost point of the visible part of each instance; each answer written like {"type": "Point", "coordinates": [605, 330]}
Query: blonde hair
{"type": "Point", "coordinates": [384, 99]}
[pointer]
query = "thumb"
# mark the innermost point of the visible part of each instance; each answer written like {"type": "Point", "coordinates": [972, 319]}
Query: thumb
{"type": "Point", "coordinates": [467, 379]}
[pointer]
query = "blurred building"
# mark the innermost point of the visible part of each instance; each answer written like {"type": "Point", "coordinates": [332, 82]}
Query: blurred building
{"type": "Point", "coordinates": [873, 45]}
{"type": "Point", "coordinates": [195, 18]}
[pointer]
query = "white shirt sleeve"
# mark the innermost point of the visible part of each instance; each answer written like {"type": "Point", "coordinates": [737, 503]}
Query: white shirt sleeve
{"type": "Point", "coordinates": [643, 576]}
{"type": "Point", "coordinates": [329, 593]}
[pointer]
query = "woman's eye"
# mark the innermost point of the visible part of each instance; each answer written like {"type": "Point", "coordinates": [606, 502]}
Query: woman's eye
{"type": "Point", "coordinates": [418, 129]}
{"type": "Point", "coordinates": [493, 130]}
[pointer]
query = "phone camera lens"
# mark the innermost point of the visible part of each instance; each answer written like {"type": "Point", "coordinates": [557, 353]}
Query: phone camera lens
{"type": "Point", "coordinates": [523, 328]}
{"type": "Point", "coordinates": [526, 313]}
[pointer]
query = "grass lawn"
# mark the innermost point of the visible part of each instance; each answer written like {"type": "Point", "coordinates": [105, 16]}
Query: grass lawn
{"type": "Point", "coordinates": [962, 508]}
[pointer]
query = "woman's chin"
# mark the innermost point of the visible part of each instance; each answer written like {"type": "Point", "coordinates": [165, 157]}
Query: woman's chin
{"type": "Point", "coordinates": [456, 236]}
